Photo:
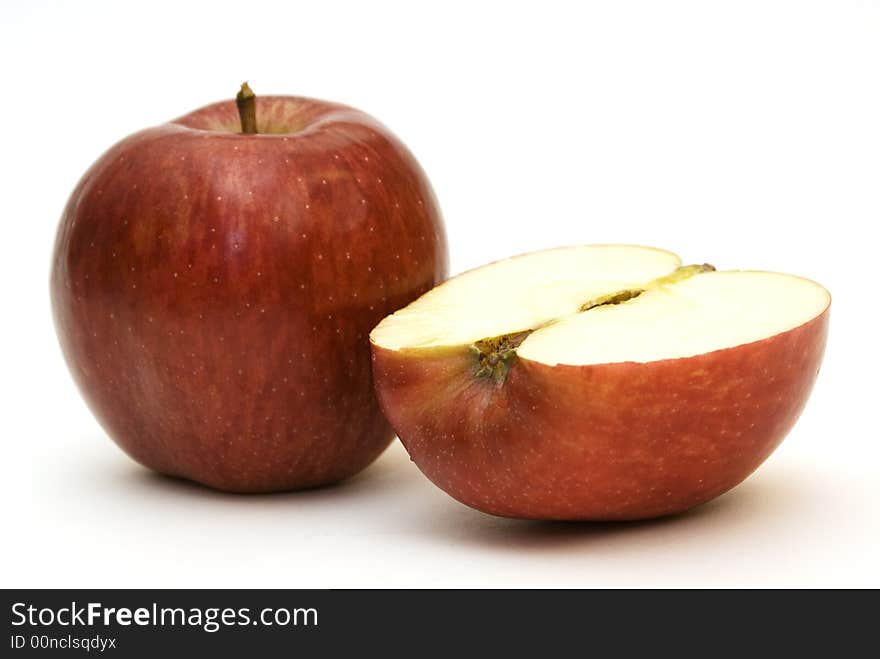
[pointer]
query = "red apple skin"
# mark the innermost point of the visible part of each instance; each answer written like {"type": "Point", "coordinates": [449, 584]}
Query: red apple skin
{"type": "Point", "coordinates": [618, 441]}
{"type": "Point", "coordinates": [213, 292]}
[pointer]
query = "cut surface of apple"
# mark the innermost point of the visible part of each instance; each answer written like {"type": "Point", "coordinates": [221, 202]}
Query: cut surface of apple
{"type": "Point", "coordinates": [518, 294]}
{"type": "Point", "coordinates": [706, 312]}
{"type": "Point", "coordinates": [544, 294]}
{"type": "Point", "coordinates": [595, 365]}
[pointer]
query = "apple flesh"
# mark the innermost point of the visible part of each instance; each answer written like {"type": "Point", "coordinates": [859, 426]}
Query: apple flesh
{"type": "Point", "coordinates": [598, 382]}
{"type": "Point", "coordinates": [213, 290]}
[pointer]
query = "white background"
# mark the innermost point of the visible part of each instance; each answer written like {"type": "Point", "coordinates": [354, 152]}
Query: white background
{"type": "Point", "coordinates": [746, 134]}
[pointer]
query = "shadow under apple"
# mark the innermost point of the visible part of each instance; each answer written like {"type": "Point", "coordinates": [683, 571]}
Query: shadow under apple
{"type": "Point", "coordinates": [384, 476]}
{"type": "Point", "coordinates": [415, 508]}
{"type": "Point", "coordinates": [774, 496]}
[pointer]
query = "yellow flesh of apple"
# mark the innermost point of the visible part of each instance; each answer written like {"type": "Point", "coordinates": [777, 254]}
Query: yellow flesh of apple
{"type": "Point", "coordinates": [546, 292]}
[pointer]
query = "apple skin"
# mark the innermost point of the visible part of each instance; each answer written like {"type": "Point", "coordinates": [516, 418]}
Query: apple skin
{"type": "Point", "coordinates": [620, 441]}
{"type": "Point", "coordinates": [213, 292]}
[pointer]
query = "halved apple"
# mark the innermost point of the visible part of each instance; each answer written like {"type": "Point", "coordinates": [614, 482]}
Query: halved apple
{"type": "Point", "coordinates": [598, 382]}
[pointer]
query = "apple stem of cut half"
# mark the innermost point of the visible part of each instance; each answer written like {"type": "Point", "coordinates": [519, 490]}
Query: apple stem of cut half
{"type": "Point", "coordinates": [246, 101]}
{"type": "Point", "coordinates": [496, 354]}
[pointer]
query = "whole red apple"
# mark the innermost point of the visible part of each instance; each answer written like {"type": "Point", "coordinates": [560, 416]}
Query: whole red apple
{"type": "Point", "coordinates": [599, 382]}
{"type": "Point", "coordinates": [213, 289]}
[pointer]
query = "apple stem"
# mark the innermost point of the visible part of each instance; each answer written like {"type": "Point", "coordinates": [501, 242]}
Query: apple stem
{"type": "Point", "coordinates": [495, 355]}
{"type": "Point", "coordinates": [246, 101]}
